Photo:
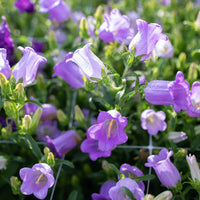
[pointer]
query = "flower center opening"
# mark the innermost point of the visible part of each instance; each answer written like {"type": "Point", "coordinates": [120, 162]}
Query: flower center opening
{"type": "Point", "coordinates": [112, 127]}
{"type": "Point", "coordinates": [41, 180]}
{"type": "Point", "coordinates": [150, 119]}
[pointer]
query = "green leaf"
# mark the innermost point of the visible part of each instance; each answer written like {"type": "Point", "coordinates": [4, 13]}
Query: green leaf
{"type": "Point", "coordinates": [64, 162]}
{"type": "Point", "coordinates": [114, 168]}
{"type": "Point", "coordinates": [33, 101]}
{"type": "Point", "coordinates": [128, 193]}
{"type": "Point", "coordinates": [73, 195]}
{"type": "Point", "coordinates": [144, 178]}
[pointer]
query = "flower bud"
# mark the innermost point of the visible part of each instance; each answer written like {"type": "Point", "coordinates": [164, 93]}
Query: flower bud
{"type": "Point", "coordinates": [75, 180]}
{"type": "Point", "coordinates": [19, 93]}
{"type": "Point", "coordinates": [166, 195]}
{"type": "Point", "coordinates": [99, 14]}
{"type": "Point", "coordinates": [3, 162]}
{"type": "Point", "coordinates": [181, 60]}
{"type": "Point", "coordinates": [193, 72]}
{"type": "Point", "coordinates": [36, 119]}
{"type": "Point", "coordinates": [79, 116]}
{"type": "Point", "coordinates": [148, 197]}
{"type": "Point", "coordinates": [50, 159]}
{"type": "Point", "coordinates": [83, 28]}
{"type": "Point", "coordinates": [5, 86]}
{"type": "Point", "coordinates": [15, 185]}
{"type": "Point", "coordinates": [52, 40]}
{"type": "Point", "coordinates": [26, 123]}
{"type": "Point", "coordinates": [177, 137]}
{"type": "Point", "coordinates": [62, 118]}
{"type": "Point", "coordinates": [11, 109]}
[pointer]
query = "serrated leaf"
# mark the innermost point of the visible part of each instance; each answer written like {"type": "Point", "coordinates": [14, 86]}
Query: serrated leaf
{"type": "Point", "coordinates": [128, 193]}
{"type": "Point", "coordinates": [34, 102]}
{"type": "Point", "coordinates": [64, 162]}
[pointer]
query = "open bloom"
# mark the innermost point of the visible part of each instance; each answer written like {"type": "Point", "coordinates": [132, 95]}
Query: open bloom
{"type": "Point", "coordinates": [28, 65]}
{"type": "Point", "coordinates": [109, 130]}
{"type": "Point", "coordinates": [24, 6]}
{"type": "Point", "coordinates": [146, 38]}
{"type": "Point", "coordinates": [194, 167]}
{"type": "Point", "coordinates": [58, 9]}
{"type": "Point", "coordinates": [117, 193]}
{"type": "Point", "coordinates": [82, 62]}
{"type": "Point", "coordinates": [153, 121]}
{"type": "Point", "coordinates": [160, 92]}
{"type": "Point", "coordinates": [36, 180]}
{"type": "Point", "coordinates": [164, 168]}
{"type": "Point", "coordinates": [103, 194]}
{"type": "Point", "coordinates": [115, 28]}
{"type": "Point", "coordinates": [131, 172]}
{"type": "Point", "coordinates": [4, 64]}
{"type": "Point", "coordinates": [63, 143]}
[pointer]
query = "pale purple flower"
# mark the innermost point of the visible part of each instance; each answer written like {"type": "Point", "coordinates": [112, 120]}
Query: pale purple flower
{"type": "Point", "coordinates": [142, 80]}
{"type": "Point", "coordinates": [28, 65]}
{"type": "Point", "coordinates": [109, 130]}
{"type": "Point", "coordinates": [164, 168]}
{"type": "Point", "coordinates": [63, 143]}
{"type": "Point", "coordinates": [77, 16]}
{"type": "Point", "coordinates": [146, 38]}
{"type": "Point", "coordinates": [4, 64]}
{"type": "Point", "coordinates": [132, 172]}
{"type": "Point", "coordinates": [61, 37]}
{"type": "Point", "coordinates": [116, 27]}
{"type": "Point", "coordinates": [91, 146]}
{"type": "Point", "coordinates": [82, 62]}
{"type": "Point", "coordinates": [7, 122]}
{"type": "Point", "coordinates": [103, 194]}
{"type": "Point", "coordinates": [133, 16]}
{"type": "Point", "coordinates": [164, 49]}
{"type": "Point", "coordinates": [91, 25]}
{"type": "Point", "coordinates": [177, 137]}
{"type": "Point", "coordinates": [24, 6]}
{"type": "Point", "coordinates": [48, 128]}
{"type": "Point", "coordinates": [117, 193]}
{"type": "Point", "coordinates": [58, 9]}
{"type": "Point", "coordinates": [166, 2]}
{"type": "Point", "coordinates": [36, 180]}
{"type": "Point", "coordinates": [175, 93]}
{"type": "Point", "coordinates": [38, 46]}
{"type": "Point", "coordinates": [153, 121]}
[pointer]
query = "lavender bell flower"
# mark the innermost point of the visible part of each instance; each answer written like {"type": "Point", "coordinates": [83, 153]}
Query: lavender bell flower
{"type": "Point", "coordinates": [164, 168]}
{"type": "Point", "coordinates": [109, 130]}
{"type": "Point", "coordinates": [36, 180]}
{"type": "Point", "coordinates": [3, 123]}
{"type": "Point", "coordinates": [164, 49]}
{"type": "Point", "coordinates": [117, 193]}
{"type": "Point", "coordinates": [175, 93]}
{"type": "Point", "coordinates": [6, 41]}
{"type": "Point", "coordinates": [115, 28]}
{"type": "Point", "coordinates": [28, 65]}
{"type": "Point", "coordinates": [103, 194]}
{"type": "Point", "coordinates": [63, 143]}
{"type": "Point", "coordinates": [4, 64]}
{"type": "Point", "coordinates": [24, 6]}
{"type": "Point", "coordinates": [48, 128]}
{"type": "Point", "coordinates": [153, 121]}
{"type": "Point", "coordinates": [146, 38]}
{"type": "Point", "coordinates": [58, 9]}
{"type": "Point", "coordinates": [131, 172]}
{"type": "Point", "coordinates": [38, 46]}
{"type": "Point", "coordinates": [177, 137]}
{"type": "Point", "coordinates": [82, 62]}
{"type": "Point", "coordinates": [91, 146]}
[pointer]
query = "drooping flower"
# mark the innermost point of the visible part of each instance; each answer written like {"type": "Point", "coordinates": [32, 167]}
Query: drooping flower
{"type": "Point", "coordinates": [82, 62]}
{"type": "Point", "coordinates": [115, 28]}
{"type": "Point", "coordinates": [153, 121]}
{"type": "Point", "coordinates": [58, 10]}
{"type": "Point", "coordinates": [36, 180]}
{"type": "Point", "coordinates": [48, 128]}
{"type": "Point", "coordinates": [63, 143]}
{"type": "Point", "coordinates": [146, 38]}
{"type": "Point", "coordinates": [4, 64]}
{"type": "Point", "coordinates": [28, 65]}
{"type": "Point", "coordinates": [117, 193]}
{"type": "Point", "coordinates": [91, 146]}
{"type": "Point", "coordinates": [194, 167]}
{"type": "Point", "coordinates": [164, 168]}
{"type": "Point", "coordinates": [131, 172]}
{"type": "Point", "coordinates": [175, 93]}
{"type": "Point", "coordinates": [103, 194]}
{"type": "Point", "coordinates": [164, 49]}
{"type": "Point", "coordinates": [177, 137]}
{"type": "Point", "coordinates": [109, 130]}
{"type": "Point", "coordinates": [25, 6]}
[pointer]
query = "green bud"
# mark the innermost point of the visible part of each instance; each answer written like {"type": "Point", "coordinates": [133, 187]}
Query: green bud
{"type": "Point", "coordinates": [83, 28]}
{"type": "Point", "coordinates": [181, 60]}
{"type": "Point", "coordinates": [11, 109]}
{"type": "Point", "coordinates": [15, 185]}
{"type": "Point", "coordinates": [52, 40]}
{"type": "Point", "coordinates": [78, 115]}
{"type": "Point", "coordinates": [166, 195]}
{"type": "Point", "coordinates": [148, 197]}
{"type": "Point", "coordinates": [5, 86]}
{"type": "Point", "coordinates": [105, 166]}
{"type": "Point", "coordinates": [180, 154]}
{"type": "Point", "coordinates": [87, 169]}
{"type": "Point", "coordinates": [26, 123]}
{"type": "Point", "coordinates": [193, 72]}
{"type": "Point", "coordinates": [62, 118]}
{"type": "Point", "coordinates": [46, 151]}
{"type": "Point", "coordinates": [50, 159]}
{"type": "Point", "coordinates": [36, 119]}
{"type": "Point", "coordinates": [19, 93]}
{"type": "Point", "coordinates": [75, 180]}
{"type": "Point", "coordinates": [99, 14]}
